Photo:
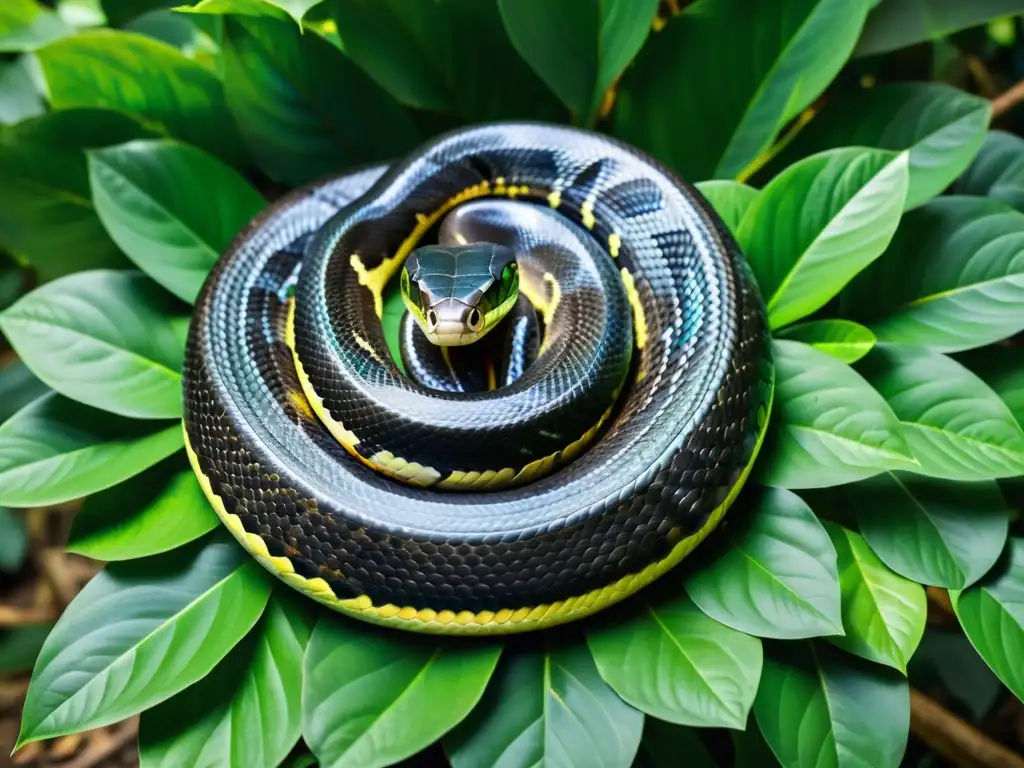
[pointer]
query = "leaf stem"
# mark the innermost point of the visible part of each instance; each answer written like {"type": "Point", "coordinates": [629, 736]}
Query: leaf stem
{"type": "Point", "coordinates": [769, 154]}
{"type": "Point", "coordinates": [956, 740]}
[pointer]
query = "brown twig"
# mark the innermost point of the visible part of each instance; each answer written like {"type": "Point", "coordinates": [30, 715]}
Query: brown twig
{"type": "Point", "coordinates": [53, 564]}
{"type": "Point", "coordinates": [106, 743]}
{"type": "Point", "coordinates": [11, 616]}
{"type": "Point", "coordinates": [1007, 100]}
{"type": "Point", "coordinates": [956, 740]}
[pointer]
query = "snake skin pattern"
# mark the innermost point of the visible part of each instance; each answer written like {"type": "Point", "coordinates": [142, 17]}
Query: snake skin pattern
{"type": "Point", "coordinates": [605, 514]}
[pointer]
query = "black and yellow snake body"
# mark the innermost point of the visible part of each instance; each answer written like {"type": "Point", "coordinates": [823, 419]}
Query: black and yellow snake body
{"type": "Point", "coordinates": [564, 488]}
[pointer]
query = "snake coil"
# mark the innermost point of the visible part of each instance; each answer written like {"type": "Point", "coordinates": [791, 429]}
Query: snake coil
{"type": "Point", "coordinates": [596, 471]}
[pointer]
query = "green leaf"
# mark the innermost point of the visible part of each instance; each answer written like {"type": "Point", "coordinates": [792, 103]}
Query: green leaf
{"type": "Point", "coordinates": [155, 511]}
{"type": "Point", "coordinates": [956, 426]}
{"type": "Point", "coordinates": [992, 614]}
{"type": "Point", "coordinates": [13, 541]}
{"type": "Point", "coordinates": [883, 613]}
{"type": "Point", "coordinates": [842, 339]}
{"type": "Point", "coordinates": [828, 426]}
{"type": "Point", "coordinates": [777, 576]}
{"type": "Point", "coordinates": [171, 208]}
{"type": "Point", "coordinates": [547, 708]}
{"type": "Point", "coordinates": [19, 647]}
{"type": "Point", "coordinates": [730, 199]}
{"type": "Point", "coordinates": [110, 339]}
{"type": "Point", "coordinates": [668, 659]}
{"type": "Point", "coordinates": [931, 531]}
{"type": "Point", "coordinates": [819, 223]}
{"type": "Point", "coordinates": [716, 123]}
{"type": "Point", "coordinates": [663, 743]}
{"type": "Point", "coordinates": [18, 388]}
{"type": "Point", "coordinates": [897, 24]}
{"type": "Point", "coordinates": [46, 214]}
{"type": "Point", "coordinates": [1002, 368]}
{"type": "Point", "coordinates": [293, 95]}
{"type": "Point", "coordinates": [297, 9]}
{"type": "Point", "coordinates": [941, 126]}
{"type": "Point", "coordinates": [247, 712]}
{"type": "Point", "coordinates": [19, 98]}
{"type": "Point", "coordinates": [55, 450]}
{"type": "Point", "coordinates": [140, 632]}
{"type": "Point", "coordinates": [952, 279]}
{"type": "Point", "coordinates": [578, 47]}
{"type": "Point", "coordinates": [146, 79]}
{"type": "Point", "coordinates": [375, 698]}
{"type": "Point", "coordinates": [25, 26]}
{"type": "Point", "coordinates": [817, 706]}
{"type": "Point", "coordinates": [452, 57]}
{"type": "Point", "coordinates": [997, 171]}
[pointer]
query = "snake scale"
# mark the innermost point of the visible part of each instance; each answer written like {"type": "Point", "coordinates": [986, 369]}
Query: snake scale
{"type": "Point", "coordinates": [569, 485]}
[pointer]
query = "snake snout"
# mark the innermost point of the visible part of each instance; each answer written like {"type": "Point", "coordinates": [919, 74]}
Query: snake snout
{"type": "Point", "coordinates": [451, 323]}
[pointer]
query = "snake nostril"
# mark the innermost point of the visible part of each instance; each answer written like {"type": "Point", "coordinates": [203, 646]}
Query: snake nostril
{"type": "Point", "coordinates": [475, 319]}
{"type": "Point", "coordinates": [431, 319]}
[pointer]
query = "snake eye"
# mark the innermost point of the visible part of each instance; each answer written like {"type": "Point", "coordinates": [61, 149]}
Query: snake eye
{"type": "Point", "coordinates": [476, 320]}
{"type": "Point", "coordinates": [431, 319]}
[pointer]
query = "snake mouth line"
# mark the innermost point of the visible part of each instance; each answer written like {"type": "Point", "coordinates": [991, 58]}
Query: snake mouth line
{"type": "Point", "coordinates": [505, 621]}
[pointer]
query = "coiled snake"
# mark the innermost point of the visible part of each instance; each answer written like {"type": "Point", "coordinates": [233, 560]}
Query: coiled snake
{"type": "Point", "coordinates": [571, 479]}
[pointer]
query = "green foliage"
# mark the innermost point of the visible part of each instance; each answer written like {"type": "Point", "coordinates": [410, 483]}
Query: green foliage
{"type": "Point", "coordinates": [883, 224]}
{"type": "Point", "coordinates": [547, 708]}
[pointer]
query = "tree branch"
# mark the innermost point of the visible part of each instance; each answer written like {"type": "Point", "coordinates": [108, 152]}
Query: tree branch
{"type": "Point", "coordinates": [956, 740]}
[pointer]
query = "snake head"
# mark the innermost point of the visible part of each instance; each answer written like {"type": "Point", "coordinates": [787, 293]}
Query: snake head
{"type": "Point", "coordinates": [457, 293]}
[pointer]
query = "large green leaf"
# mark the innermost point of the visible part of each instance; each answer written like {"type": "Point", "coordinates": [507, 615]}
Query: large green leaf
{"type": "Point", "coordinates": [18, 388]}
{"type": "Point", "coordinates": [19, 97]}
{"type": "Point", "coordinates": [303, 107]}
{"type": "Point", "coordinates": [730, 199]}
{"type": "Point", "coordinates": [663, 743]}
{"type": "Point", "coordinates": [828, 426]}
{"type": "Point", "coordinates": [247, 713]}
{"type": "Point", "coordinates": [900, 23]}
{"type": "Point", "coordinates": [956, 426]}
{"type": "Point", "coordinates": [710, 109]}
{"type": "Point", "coordinates": [883, 613]}
{"type": "Point", "coordinates": [110, 339]}
{"type": "Point", "coordinates": [819, 223]}
{"type": "Point", "coordinates": [13, 541]}
{"type": "Point", "coordinates": [819, 707]}
{"type": "Point", "coordinates": [931, 531]}
{"type": "Point", "coordinates": [777, 576]}
{"type": "Point", "coordinates": [144, 78]}
{"type": "Point", "coordinates": [844, 340]}
{"type": "Point", "coordinates": [139, 633]}
{"type": "Point", "coordinates": [296, 9]}
{"type": "Point", "coordinates": [120, 12]}
{"type": "Point", "coordinates": [25, 25]}
{"type": "Point", "coordinates": [155, 511]}
{"type": "Point", "coordinates": [46, 213]}
{"type": "Point", "coordinates": [997, 171]}
{"type": "Point", "coordinates": [547, 708]}
{"type": "Point", "coordinates": [942, 127]}
{"type": "Point", "coordinates": [578, 47]}
{"type": "Point", "coordinates": [452, 57]}
{"type": "Point", "coordinates": [373, 698]}
{"type": "Point", "coordinates": [1002, 368]}
{"type": "Point", "coordinates": [171, 208]}
{"type": "Point", "coordinates": [952, 279]}
{"type": "Point", "coordinates": [668, 659]}
{"type": "Point", "coordinates": [992, 615]}
{"type": "Point", "coordinates": [55, 450]}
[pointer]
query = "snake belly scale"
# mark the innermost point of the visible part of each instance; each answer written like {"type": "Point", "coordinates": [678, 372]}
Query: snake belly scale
{"type": "Point", "coordinates": [493, 512]}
